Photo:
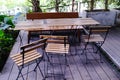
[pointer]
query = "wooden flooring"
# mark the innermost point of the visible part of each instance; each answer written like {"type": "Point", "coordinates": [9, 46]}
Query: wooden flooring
{"type": "Point", "coordinates": [112, 46]}
{"type": "Point", "coordinates": [77, 69]}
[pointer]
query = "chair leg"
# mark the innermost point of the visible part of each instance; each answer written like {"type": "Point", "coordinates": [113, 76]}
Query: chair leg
{"type": "Point", "coordinates": [98, 49]}
{"type": "Point", "coordinates": [84, 52]}
{"type": "Point", "coordinates": [101, 58]}
{"type": "Point", "coordinates": [37, 65]}
{"type": "Point", "coordinates": [66, 62]}
{"type": "Point", "coordinates": [84, 49]}
{"type": "Point", "coordinates": [41, 72]}
{"type": "Point", "coordinates": [45, 70]}
{"type": "Point", "coordinates": [93, 46]}
{"type": "Point", "coordinates": [75, 49]}
{"type": "Point", "coordinates": [20, 37]}
{"type": "Point", "coordinates": [20, 72]}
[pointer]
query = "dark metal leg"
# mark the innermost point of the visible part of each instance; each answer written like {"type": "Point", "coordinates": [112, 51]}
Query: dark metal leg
{"type": "Point", "coordinates": [41, 72]}
{"type": "Point", "coordinates": [20, 72]}
{"type": "Point", "coordinates": [29, 34]}
{"type": "Point", "coordinates": [66, 62]}
{"type": "Point", "coordinates": [84, 51]}
{"type": "Point", "coordinates": [99, 47]}
{"type": "Point", "coordinates": [21, 43]}
{"type": "Point", "coordinates": [37, 65]}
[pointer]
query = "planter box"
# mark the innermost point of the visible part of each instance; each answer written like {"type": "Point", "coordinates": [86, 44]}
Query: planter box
{"type": "Point", "coordinates": [104, 17]}
{"type": "Point", "coordinates": [117, 19]}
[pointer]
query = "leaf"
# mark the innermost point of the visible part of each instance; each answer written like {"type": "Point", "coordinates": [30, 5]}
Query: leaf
{"type": "Point", "coordinates": [1, 33]}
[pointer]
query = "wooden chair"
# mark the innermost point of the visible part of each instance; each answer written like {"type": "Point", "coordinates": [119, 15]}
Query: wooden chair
{"type": "Point", "coordinates": [56, 39]}
{"type": "Point", "coordinates": [97, 35]}
{"type": "Point", "coordinates": [57, 45]}
{"type": "Point", "coordinates": [29, 55]}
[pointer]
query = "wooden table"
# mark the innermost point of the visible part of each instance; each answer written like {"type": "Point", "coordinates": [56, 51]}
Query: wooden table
{"type": "Point", "coordinates": [46, 23]}
{"type": "Point", "coordinates": [54, 24]}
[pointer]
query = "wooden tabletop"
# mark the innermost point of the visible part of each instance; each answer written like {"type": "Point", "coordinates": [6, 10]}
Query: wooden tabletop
{"type": "Point", "coordinates": [62, 23]}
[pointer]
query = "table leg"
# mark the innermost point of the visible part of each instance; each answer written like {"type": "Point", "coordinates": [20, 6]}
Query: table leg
{"type": "Point", "coordinates": [29, 34]}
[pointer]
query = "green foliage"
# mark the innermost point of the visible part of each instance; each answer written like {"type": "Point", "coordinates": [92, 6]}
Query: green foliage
{"type": "Point", "coordinates": [7, 20]}
{"type": "Point", "coordinates": [1, 34]}
{"type": "Point", "coordinates": [2, 18]}
{"type": "Point", "coordinates": [7, 39]}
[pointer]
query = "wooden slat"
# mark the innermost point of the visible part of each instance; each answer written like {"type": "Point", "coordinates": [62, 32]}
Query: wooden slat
{"type": "Point", "coordinates": [27, 58]}
{"type": "Point", "coordinates": [18, 54]}
{"type": "Point", "coordinates": [93, 38]}
{"type": "Point", "coordinates": [52, 15]}
{"type": "Point", "coordinates": [57, 48]}
{"type": "Point", "coordinates": [54, 37]}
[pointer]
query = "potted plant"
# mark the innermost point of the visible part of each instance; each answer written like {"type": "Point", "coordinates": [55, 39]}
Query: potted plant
{"type": "Point", "coordinates": [116, 6]}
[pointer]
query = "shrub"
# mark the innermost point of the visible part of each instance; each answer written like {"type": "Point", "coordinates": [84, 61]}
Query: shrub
{"type": "Point", "coordinates": [7, 39]}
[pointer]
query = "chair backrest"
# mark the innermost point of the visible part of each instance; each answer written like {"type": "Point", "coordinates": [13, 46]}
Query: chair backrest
{"type": "Point", "coordinates": [99, 30]}
{"type": "Point", "coordinates": [56, 39]}
{"type": "Point", "coordinates": [51, 15]}
{"type": "Point", "coordinates": [32, 46]}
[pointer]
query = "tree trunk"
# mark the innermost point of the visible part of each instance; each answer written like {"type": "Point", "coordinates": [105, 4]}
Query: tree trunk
{"type": "Point", "coordinates": [73, 5]}
{"type": "Point", "coordinates": [92, 5]}
{"type": "Point", "coordinates": [36, 7]}
{"type": "Point", "coordinates": [57, 5]}
{"type": "Point", "coordinates": [106, 4]}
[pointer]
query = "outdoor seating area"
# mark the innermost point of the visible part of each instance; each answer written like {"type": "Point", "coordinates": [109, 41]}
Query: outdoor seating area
{"type": "Point", "coordinates": [61, 56]}
{"type": "Point", "coordinates": [77, 69]}
{"type": "Point", "coordinates": [60, 40]}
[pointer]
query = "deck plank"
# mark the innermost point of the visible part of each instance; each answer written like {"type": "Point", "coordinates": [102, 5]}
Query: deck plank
{"type": "Point", "coordinates": [112, 45]}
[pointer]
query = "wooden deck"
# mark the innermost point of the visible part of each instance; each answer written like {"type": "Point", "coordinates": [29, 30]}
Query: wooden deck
{"type": "Point", "coordinates": [112, 45]}
{"type": "Point", "coordinates": [77, 69]}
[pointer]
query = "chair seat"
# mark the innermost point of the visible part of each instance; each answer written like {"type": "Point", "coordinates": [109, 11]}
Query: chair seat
{"type": "Point", "coordinates": [57, 48]}
{"type": "Point", "coordinates": [54, 37]}
{"type": "Point", "coordinates": [93, 38]}
{"type": "Point", "coordinates": [28, 57]}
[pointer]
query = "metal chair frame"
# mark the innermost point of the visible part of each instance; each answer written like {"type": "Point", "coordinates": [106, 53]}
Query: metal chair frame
{"type": "Point", "coordinates": [26, 50]}
{"type": "Point", "coordinates": [90, 34]}
{"type": "Point", "coordinates": [56, 41]}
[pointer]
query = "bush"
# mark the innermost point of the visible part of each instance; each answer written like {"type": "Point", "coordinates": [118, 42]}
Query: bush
{"type": "Point", "coordinates": [2, 17]}
{"type": "Point", "coordinates": [6, 20]}
{"type": "Point", "coordinates": [7, 39]}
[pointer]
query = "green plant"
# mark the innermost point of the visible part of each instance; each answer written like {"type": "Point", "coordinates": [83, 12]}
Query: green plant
{"type": "Point", "coordinates": [2, 18]}
{"type": "Point", "coordinates": [9, 21]}
{"type": "Point", "coordinates": [7, 39]}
